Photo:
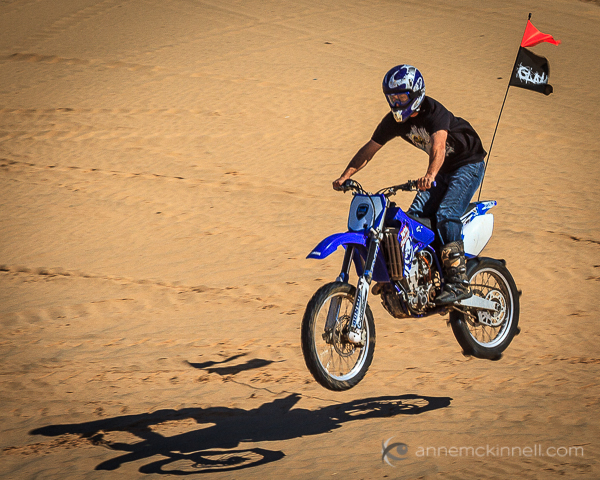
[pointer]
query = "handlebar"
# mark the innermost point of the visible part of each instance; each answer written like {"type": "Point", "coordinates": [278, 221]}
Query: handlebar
{"type": "Point", "coordinates": [353, 186]}
{"type": "Point", "coordinates": [409, 186]}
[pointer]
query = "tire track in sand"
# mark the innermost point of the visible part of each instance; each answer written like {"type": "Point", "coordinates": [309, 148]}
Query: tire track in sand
{"type": "Point", "coordinates": [150, 70]}
{"type": "Point", "coordinates": [230, 293]}
{"type": "Point", "coordinates": [60, 272]}
{"type": "Point", "coordinates": [57, 60]}
{"type": "Point", "coordinates": [66, 23]}
{"type": "Point", "coordinates": [217, 184]}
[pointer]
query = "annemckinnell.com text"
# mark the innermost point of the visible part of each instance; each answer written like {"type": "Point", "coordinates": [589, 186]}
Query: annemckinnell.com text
{"type": "Point", "coordinates": [536, 450]}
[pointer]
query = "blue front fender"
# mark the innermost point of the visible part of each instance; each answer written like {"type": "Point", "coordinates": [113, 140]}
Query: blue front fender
{"type": "Point", "coordinates": [331, 243]}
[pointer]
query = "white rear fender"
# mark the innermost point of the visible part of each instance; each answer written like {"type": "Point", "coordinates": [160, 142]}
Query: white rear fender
{"type": "Point", "coordinates": [477, 233]}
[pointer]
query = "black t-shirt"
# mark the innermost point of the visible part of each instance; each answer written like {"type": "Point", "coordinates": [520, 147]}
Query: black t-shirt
{"type": "Point", "coordinates": [463, 145]}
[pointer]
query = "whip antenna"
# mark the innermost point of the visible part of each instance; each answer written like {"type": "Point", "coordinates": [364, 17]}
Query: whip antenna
{"type": "Point", "coordinates": [497, 123]}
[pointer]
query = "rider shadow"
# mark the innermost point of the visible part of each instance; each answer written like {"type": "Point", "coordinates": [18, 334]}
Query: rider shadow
{"type": "Point", "coordinates": [209, 449]}
{"type": "Point", "coordinates": [234, 369]}
{"type": "Point", "coordinates": [211, 363]}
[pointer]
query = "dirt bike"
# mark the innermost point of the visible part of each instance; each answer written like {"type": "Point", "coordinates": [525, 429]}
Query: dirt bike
{"type": "Point", "coordinates": [398, 252]}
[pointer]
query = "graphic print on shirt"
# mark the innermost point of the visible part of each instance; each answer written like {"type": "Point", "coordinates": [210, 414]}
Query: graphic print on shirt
{"type": "Point", "coordinates": [420, 138]}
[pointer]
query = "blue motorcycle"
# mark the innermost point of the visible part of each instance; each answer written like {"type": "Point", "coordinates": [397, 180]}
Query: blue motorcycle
{"type": "Point", "coordinates": [397, 254]}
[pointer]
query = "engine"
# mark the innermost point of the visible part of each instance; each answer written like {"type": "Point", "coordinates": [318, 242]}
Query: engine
{"type": "Point", "coordinates": [414, 286]}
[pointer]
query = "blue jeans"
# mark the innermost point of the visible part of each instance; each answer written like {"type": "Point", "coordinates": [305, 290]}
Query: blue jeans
{"type": "Point", "coordinates": [448, 200]}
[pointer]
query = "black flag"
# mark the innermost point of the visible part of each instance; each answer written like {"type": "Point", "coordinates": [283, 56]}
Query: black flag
{"type": "Point", "coordinates": [531, 72]}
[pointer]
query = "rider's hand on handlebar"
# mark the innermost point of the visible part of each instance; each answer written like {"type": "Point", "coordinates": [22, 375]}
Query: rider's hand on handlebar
{"type": "Point", "coordinates": [426, 182]}
{"type": "Point", "coordinates": [338, 184]}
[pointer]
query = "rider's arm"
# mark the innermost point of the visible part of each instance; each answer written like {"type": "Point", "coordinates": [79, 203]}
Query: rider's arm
{"type": "Point", "coordinates": [362, 157]}
{"type": "Point", "coordinates": [436, 159]}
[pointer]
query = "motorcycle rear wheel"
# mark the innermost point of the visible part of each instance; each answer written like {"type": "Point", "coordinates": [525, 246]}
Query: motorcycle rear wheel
{"type": "Point", "coordinates": [335, 363]}
{"type": "Point", "coordinates": [484, 334]}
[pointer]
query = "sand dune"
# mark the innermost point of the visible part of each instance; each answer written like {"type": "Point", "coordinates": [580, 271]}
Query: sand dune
{"type": "Point", "coordinates": [165, 168]}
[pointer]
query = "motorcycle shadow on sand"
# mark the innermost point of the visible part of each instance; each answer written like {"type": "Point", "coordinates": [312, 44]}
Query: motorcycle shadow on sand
{"type": "Point", "coordinates": [215, 447]}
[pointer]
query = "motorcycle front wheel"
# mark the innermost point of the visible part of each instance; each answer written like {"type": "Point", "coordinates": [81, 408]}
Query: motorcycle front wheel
{"type": "Point", "coordinates": [333, 361]}
{"type": "Point", "coordinates": [483, 334]}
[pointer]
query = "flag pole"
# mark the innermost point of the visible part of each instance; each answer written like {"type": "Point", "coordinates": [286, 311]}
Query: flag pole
{"type": "Point", "coordinates": [498, 122]}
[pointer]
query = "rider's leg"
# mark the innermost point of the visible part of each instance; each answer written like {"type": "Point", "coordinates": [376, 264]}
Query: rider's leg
{"type": "Point", "coordinates": [462, 186]}
{"type": "Point", "coordinates": [425, 204]}
{"type": "Point", "coordinates": [456, 286]}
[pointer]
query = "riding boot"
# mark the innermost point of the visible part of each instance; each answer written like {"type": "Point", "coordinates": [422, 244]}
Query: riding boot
{"type": "Point", "coordinates": [456, 285]}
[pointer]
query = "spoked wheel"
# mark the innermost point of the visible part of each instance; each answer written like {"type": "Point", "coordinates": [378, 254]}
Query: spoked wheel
{"type": "Point", "coordinates": [486, 334]}
{"type": "Point", "coordinates": [333, 361]}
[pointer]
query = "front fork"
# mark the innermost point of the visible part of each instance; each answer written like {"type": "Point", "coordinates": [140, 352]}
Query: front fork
{"type": "Point", "coordinates": [355, 333]}
{"type": "Point", "coordinates": [336, 302]}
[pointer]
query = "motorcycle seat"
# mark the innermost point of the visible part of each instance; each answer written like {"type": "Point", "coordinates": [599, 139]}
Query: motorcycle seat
{"type": "Point", "coordinates": [429, 222]}
{"type": "Point", "coordinates": [422, 220]}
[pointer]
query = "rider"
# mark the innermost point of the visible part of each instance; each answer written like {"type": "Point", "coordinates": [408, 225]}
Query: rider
{"type": "Point", "coordinates": [456, 166]}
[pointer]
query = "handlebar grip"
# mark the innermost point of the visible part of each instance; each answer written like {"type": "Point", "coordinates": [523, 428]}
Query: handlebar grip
{"type": "Point", "coordinates": [414, 184]}
{"type": "Point", "coordinates": [351, 185]}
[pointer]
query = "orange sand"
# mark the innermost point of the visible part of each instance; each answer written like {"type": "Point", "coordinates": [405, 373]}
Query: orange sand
{"type": "Point", "coordinates": [165, 167]}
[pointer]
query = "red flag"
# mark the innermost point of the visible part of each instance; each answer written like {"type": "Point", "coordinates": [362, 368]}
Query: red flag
{"type": "Point", "coordinates": [533, 36]}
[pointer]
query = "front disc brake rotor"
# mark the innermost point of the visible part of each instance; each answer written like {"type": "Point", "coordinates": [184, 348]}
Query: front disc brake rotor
{"type": "Point", "coordinates": [340, 334]}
